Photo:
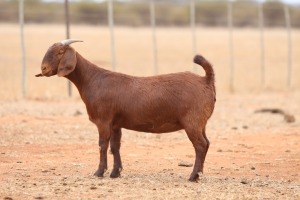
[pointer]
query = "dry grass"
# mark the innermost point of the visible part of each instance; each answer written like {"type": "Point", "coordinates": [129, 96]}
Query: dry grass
{"type": "Point", "coordinates": [134, 55]}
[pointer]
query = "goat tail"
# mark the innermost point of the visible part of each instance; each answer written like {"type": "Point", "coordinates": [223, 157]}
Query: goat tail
{"type": "Point", "coordinates": [200, 60]}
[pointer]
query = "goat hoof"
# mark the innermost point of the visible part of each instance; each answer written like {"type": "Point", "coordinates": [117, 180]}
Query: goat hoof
{"type": "Point", "coordinates": [194, 178]}
{"type": "Point", "coordinates": [98, 173]}
{"type": "Point", "coordinates": [115, 173]}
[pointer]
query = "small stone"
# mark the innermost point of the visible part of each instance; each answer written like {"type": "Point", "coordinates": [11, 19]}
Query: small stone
{"type": "Point", "coordinates": [252, 168]}
{"type": "Point", "coordinates": [289, 118]}
{"type": "Point", "coordinates": [185, 164]}
{"type": "Point", "coordinates": [93, 187]}
{"type": "Point", "coordinates": [77, 113]}
{"type": "Point", "coordinates": [244, 181]}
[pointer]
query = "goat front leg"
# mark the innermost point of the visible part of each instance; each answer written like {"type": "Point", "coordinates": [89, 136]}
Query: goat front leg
{"type": "Point", "coordinates": [115, 144]}
{"type": "Point", "coordinates": [104, 135]}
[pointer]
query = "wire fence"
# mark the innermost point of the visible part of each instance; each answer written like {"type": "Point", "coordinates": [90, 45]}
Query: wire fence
{"type": "Point", "coordinates": [153, 11]}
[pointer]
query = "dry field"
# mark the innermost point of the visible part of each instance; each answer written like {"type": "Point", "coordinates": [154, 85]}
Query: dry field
{"type": "Point", "coordinates": [134, 55]}
{"type": "Point", "coordinates": [48, 148]}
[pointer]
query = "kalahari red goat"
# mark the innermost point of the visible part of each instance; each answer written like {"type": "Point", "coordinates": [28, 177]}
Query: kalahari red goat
{"type": "Point", "coordinates": [156, 104]}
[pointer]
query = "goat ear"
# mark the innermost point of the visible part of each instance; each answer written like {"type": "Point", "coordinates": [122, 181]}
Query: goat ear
{"type": "Point", "coordinates": [67, 63]}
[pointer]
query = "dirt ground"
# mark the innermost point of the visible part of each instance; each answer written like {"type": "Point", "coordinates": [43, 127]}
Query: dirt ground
{"type": "Point", "coordinates": [48, 150]}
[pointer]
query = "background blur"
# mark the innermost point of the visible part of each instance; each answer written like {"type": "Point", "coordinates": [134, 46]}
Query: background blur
{"type": "Point", "coordinates": [253, 45]}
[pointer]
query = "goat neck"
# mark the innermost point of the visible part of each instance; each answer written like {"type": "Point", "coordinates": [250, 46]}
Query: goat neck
{"type": "Point", "coordinates": [84, 73]}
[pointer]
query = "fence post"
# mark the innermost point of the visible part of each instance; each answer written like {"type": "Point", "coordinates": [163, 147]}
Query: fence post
{"type": "Point", "coordinates": [230, 27]}
{"type": "Point", "coordinates": [193, 28]}
{"type": "Point", "coordinates": [112, 35]}
{"type": "Point", "coordinates": [21, 21]}
{"type": "Point", "coordinates": [153, 25]}
{"type": "Point", "coordinates": [288, 27]}
{"type": "Point", "coordinates": [67, 18]}
{"type": "Point", "coordinates": [262, 43]}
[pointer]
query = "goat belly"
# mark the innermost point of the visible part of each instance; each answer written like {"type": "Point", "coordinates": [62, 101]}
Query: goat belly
{"type": "Point", "coordinates": [155, 127]}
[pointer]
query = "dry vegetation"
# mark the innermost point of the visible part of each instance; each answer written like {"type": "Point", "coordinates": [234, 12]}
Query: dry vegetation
{"type": "Point", "coordinates": [48, 148]}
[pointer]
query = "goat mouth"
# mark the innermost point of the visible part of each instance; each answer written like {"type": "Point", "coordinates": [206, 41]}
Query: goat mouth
{"type": "Point", "coordinates": [39, 75]}
{"type": "Point", "coordinates": [45, 73]}
{"type": "Point", "coordinates": [48, 73]}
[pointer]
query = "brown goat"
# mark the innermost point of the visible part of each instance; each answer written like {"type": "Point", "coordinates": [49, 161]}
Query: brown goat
{"type": "Point", "coordinates": [156, 104]}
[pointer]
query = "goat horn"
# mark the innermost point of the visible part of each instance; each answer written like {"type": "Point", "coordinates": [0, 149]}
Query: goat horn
{"type": "Point", "coordinates": [70, 41]}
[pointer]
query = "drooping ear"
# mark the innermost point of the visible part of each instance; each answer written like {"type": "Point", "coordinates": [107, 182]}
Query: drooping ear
{"type": "Point", "coordinates": [67, 63]}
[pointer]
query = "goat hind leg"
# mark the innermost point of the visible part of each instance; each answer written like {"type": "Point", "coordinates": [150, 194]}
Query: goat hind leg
{"type": "Point", "coordinates": [207, 141]}
{"type": "Point", "coordinates": [115, 144]}
{"type": "Point", "coordinates": [201, 146]}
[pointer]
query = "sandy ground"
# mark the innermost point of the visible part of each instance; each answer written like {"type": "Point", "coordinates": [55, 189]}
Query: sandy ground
{"type": "Point", "coordinates": [48, 150]}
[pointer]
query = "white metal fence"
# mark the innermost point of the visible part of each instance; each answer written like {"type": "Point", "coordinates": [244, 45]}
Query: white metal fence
{"type": "Point", "coordinates": [193, 28]}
